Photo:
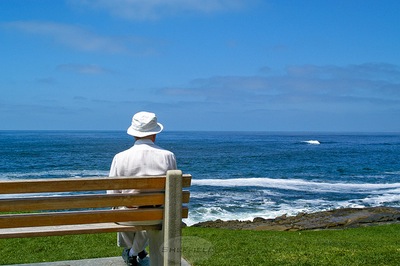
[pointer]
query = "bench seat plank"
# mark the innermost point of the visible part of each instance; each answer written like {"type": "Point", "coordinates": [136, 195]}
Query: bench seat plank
{"type": "Point", "coordinates": [73, 230]}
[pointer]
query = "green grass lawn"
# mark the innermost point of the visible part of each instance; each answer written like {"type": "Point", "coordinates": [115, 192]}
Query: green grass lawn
{"type": "Point", "coordinates": [377, 245]}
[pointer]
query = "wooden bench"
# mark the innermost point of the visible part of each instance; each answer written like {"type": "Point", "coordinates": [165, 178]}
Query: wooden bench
{"type": "Point", "coordinates": [64, 206]}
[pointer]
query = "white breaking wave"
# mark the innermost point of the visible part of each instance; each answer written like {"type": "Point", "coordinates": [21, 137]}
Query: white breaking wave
{"type": "Point", "coordinates": [381, 199]}
{"type": "Point", "coordinates": [247, 203]}
{"type": "Point", "coordinates": [219, 210]}
{"type": "Point", "coordinates": [296, 184]}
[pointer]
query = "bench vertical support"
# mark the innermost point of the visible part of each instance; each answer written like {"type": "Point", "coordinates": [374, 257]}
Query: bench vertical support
{"type": "Point", "coordinates": [173, 218]}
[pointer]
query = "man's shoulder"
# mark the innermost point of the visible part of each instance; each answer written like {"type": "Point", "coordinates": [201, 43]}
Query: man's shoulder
{"type": "Point", "coordinates": [122, 153]}
{"type": "Point", "coordinates": [149, 148]}
{"type": "Point", "coordinates": [162, 150]}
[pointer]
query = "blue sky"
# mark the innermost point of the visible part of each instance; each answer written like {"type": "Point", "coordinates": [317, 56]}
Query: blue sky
{"type": "Point", "coordinates": [240, 65]}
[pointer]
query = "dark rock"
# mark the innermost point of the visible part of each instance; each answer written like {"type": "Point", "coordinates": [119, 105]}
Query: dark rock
{"type": "Point", "coordinates": [258, 220]}
{"type": "Point", "coordinates": [333, 219]}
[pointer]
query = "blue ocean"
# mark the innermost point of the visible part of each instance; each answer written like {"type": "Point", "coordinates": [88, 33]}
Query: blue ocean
{"type": "Point", "coordinates": [236, 175]}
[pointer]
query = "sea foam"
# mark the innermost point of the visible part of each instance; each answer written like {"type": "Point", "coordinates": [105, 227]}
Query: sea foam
{"type": "Point", "coordinates": [295, 184]}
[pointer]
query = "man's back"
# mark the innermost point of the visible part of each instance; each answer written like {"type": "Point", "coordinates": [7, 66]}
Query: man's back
{"type": "Point", "coordinates": [143, 159]}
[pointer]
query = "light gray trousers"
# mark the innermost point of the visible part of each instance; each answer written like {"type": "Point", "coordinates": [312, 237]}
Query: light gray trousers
{"type": "Point", "coordinates": [139, 240]}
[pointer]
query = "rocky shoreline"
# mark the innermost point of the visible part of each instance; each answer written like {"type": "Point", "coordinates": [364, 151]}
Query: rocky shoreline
{"type": "Point", "coordinates": [333, 219]}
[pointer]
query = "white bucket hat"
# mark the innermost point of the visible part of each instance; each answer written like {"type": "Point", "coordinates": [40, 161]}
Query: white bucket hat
{"type": "Point", "coordinates": [144, 124]}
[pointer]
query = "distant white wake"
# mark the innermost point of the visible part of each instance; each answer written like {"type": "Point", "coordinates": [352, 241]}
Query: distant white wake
{"type": "Point", "coordinates": [312, 142]}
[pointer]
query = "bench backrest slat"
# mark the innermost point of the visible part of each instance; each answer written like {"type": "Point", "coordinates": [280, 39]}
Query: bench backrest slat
{"type": "Point", "coordinates": [84, 201]}
{"type": "Point", "coordinates": [86, 184]}
{"type": "Point", "coordinates": [83, 217]}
